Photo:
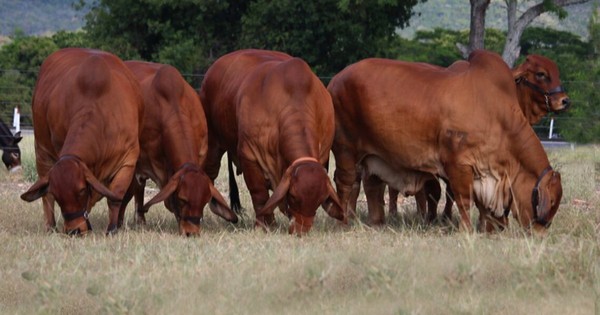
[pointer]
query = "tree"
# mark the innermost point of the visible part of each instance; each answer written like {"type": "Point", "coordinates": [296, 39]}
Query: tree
{"type": "Point", "coordinates": [188, 34]}
{"type": "Point", "coordinates": [328, 34]}
{"type": "Point", "coordinates": [516, 24]}
{"type": "Point", "coordinates": [477, 34]}
{"type": "Point", "coordinates": [20, 61]}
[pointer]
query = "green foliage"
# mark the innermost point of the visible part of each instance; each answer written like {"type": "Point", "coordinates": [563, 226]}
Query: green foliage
{"type": "Point", "coordinates": [20, 61]}
{"type": "Point", "coordinates": [187, 34]}
{"type": "Point", "coordinates": [328, 34]}
{"type": "Point", "coordinates": [438, 47]}
{"type": "Point", "coordinates": [64, 39]}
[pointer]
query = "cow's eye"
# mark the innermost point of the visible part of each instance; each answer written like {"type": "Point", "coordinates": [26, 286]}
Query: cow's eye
{"type": "Point", "coordinates": [540, 75]}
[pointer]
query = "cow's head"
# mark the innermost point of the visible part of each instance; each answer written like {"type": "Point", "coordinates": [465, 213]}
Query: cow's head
{"type": "Point", "coordinates": [11, 155]}
{"type": "Point", "coordinates": [304, 186]}
{"type": "Point", "coordinates": [537, 199]}
{"type": "Point", "coordinates": [186, 194]}
{"type": "Point", "coordinates": [539, 77]}
{"type": "Point", "coordinates": [71, 183]}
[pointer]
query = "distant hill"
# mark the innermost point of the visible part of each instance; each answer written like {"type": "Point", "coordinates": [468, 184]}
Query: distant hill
{"type": "Point", "coordinates": [454, 14]}
{"type": "Point", "coordinates": [37, 17]}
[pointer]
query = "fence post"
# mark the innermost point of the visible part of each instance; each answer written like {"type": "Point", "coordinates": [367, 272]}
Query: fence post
{"type": "Point", "coordinates": [17, 120]}
{"type": "Point", "coordinates": [551, 128]}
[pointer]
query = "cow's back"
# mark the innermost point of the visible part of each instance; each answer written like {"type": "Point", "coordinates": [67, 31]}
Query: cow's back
{"type": "Point", "coordinates": [174, 125]}
{"type": "Point", "coordinates": [420, 106]}
{"type": "Point", "coordinates": [86, 103]}
{"type": "Point", "coordinates": [220, 90]}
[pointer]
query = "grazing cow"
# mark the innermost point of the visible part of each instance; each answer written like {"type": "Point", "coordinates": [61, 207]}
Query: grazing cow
{"type": "Point", "coordinates": [539, 92]}
{"type": "Point", "coordinates": [408, 123]}
{"type": "Point", "coordinates": [173, 146]}
{"type": "Point", "coordinates": [275, 119]}
{"type": "Point", "coordinates": [11, 154]}
{"type": "Point", "coordinates": [87, 110]}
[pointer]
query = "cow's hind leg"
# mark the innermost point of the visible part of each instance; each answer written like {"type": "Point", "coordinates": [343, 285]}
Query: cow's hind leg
{"type": "Point", "coordinates": [449, 203]}
{"type": "Point", "coordinates": [138, 194]}
{"type": "Point", "coordinates": [374, 191]}
{"type": "Point", "coordinates": [433, 192]}
{"type": "Point", "coordinates": [347, 180]}
{"type": "Point", "coordinates": [393, 202]}
{"type": "Point", "coordinates": [131, 193]}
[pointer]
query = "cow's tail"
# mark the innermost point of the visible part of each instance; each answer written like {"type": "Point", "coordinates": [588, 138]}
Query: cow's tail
{"type": "Point", "coordinates": [234, 192]}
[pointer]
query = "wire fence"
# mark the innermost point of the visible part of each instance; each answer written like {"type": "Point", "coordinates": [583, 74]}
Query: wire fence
{"type": "Point", "coordinates": [19, 96]}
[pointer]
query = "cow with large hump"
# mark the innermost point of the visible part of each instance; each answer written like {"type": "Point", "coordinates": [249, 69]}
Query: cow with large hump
{"type": "Point", "coordinates": [87, 110]}
{"type": "Point", "coordinates": [539, 92]}
{"type": "Point", "coordinates": [407, 122]}
{"type": "Point", "coordinates": [275, 119]}
{"type": "Point", "coordinates": [173, 149]}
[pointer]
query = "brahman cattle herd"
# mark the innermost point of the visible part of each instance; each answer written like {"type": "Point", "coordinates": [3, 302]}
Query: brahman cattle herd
{"type": "Point", "coordinates": [103, 127]}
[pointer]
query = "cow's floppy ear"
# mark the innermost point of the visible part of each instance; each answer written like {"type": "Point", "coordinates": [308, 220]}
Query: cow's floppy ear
{"type": "Point", "coordinates": [165, 192]}
{"type": "Point", "coordinates": [17, 137]}
{"type": "Point", "coordinates": [278, 194]}
{"type": "Point", "coordinates": [38, 190]}
{"type": "Point", "coordinates": [97, 185]}
{"type": "Point", "coordinates": [334, 209]}
{"type": "Point", "coordinates": [219, 207]}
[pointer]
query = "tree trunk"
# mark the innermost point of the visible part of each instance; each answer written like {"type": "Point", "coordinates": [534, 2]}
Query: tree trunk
{"type": "Point", "coordinates": [477, 34]}
{"type": "Point", "coordinates": [516, 26]}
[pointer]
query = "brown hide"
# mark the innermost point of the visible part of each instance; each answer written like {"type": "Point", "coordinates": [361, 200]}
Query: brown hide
{"type": "Point", "coordinates": [275, 118]}
{"type": "Point", "coordinates": [173, 148]}
{"type": "Point", "coordinates": [400, 119]}
{"type": "Point", "coordinates": [539, 88]}
{"type": "Point", "coordinates": [87, 110]}
{"type": "Point", "coordinates": [542, 75]}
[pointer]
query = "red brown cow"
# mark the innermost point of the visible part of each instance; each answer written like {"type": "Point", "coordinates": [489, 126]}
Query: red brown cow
{"type": "Point", "coordinates": [539, 92]}
{"type": "Point", "coordinates": [539, 88]}
{"type": "Point", "coordinates": [275, 119]}
{"type": "Point", "coordinates": [408, 122]}
{"type": "Point", "coordinates": [87, 109]}
{"type": "Point", "coordinates": [173, 149]}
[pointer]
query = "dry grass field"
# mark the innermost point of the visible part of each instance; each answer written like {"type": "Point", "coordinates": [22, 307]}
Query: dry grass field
{"type": "Point", "coordinates": [404, 268]}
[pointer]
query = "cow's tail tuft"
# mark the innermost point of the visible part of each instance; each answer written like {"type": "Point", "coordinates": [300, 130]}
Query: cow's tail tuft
{"type": "Point", "coordinates": [234, 192]}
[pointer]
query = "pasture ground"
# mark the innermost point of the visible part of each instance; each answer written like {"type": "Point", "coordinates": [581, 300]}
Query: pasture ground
{"type": "Point", "coordinates": [404, 268]}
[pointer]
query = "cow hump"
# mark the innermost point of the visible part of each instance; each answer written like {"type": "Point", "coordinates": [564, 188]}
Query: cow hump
{"type": "Point", "coordinates": [298, 76]}
{"type": "Point", "coordinates": [93, 78]}
{"type": "Point", "coordinates": [168, 81]}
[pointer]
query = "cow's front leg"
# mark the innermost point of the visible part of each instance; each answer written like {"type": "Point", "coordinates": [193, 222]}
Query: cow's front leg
{"type": "Point", "coordinates": [119, 186]}
{"type": "Point", "coordinates": [461, 183]}
{"type": "Point", "coordinates": [488, 222]}
{"type": "Point", "coordinates": [257, 185]}
{"type": "Point", "coordinates": [48, 206]}
{"type": "Point", "coordinates": [374, 190]}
